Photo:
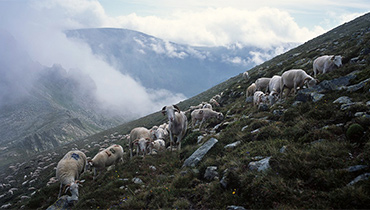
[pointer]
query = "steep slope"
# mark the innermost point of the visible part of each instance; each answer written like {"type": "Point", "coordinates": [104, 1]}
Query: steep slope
{"type": "Point", "coordinates": [154, 62]}
{"type": "Point", "coordinates": [314, 149]}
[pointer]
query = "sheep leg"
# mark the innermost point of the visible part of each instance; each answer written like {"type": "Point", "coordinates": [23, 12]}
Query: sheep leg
{"type": "Point", "coordinates": [201, 123]}
{"type": "Point", "coordinates": [171, 140]}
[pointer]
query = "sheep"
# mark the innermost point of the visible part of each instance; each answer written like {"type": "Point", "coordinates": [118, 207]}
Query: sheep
{"type": "Point", "coordinates": [158, 145]}
{"type": "Point", "coordinates": [251, 89]}
{"type": "Point", "coordinates": [177, 124]}
{"type": "Point", "coordinates": [159, 133]}
{"type": "Point", "coordinates": [69, 170]}
{"type": "Point", "coordinates": [207, 106]}
{"type": "Point", "coordinates": [262, 83]}
{"type": "Point", "coordinates": [107, 157]}
{"type": "Point", "coordinates": [274, 88]}
{"type": "Point", "coordinates": [203, 115]}
{"type": "Point", "coordinates": [294, 78]}
{"type": "Point", "coordinates": [214, 102]}
{"type": "Point", "coordinates": [246, 75]}
{"type": "Point", "coordinates": [259, 97]}
{"type": "Point", "coordinates": [135, 135]}
{"type": "Point", "coordinates": [326, 63]}
{"type": "Point", "coordinates": [142, 145]}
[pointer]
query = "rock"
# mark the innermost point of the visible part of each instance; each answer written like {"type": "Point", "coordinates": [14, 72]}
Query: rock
{"type": "Point", "coordinates": [358, 86]}
{"type": "Point", "coordinates": [308, 95]}
{"type": "Point", "coordinates": [6, 206]}
{"type": "Point", "coordinates": [261, 165]}
{"type": "Point", "coordinates": [223, 181]}
{"type": "Point", "coordinates": [362, 177]}
{"type": "Point", "coordinates": [200, 138]}
{"type": "Point", "coordinates": [368, 103]}
{"type": "Point", "coordinates": [137, 180]}
{"type": "Point", "coordinates": [211, 173]}
{"type": "Point", "coordinates": [63, 203]}
{"type": "Point", "coordinates": [296, 103]}
{"type": "Point", "coordinates": [232, 145]}
{"type": "Point", "coordinates": [349, 105]}
{"type": "Point", "coordinates": [362, 114]}
{"type": "Point", "coordinates": [197, 156]}
{"type": "Point", "coordinates": [245, 127]}
{"type": "Point", "coordinates": [356, 168]}
{"type": "Point", "coordinates": [263, 107]}
{"type": "Point", "coordinates": [283, 149]}
{"type": "Point", "coordinates": [278, 112]}
{"type": "Point", "coordinates": [153, 168]}
{"type": "Point", "coordinates": [235, 208]}
{"type": "Point", "coordinates": [249, 99]}
{"type": "Point", "coordinates": [343, 100]}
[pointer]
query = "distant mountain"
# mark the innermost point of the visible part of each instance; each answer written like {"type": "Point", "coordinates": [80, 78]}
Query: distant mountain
{"type": "Point", "coordinates": [160, 64]}
{"type": "Point", "coordinates": [44, 107]}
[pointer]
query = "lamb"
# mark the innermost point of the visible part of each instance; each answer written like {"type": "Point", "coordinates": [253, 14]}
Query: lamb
{"type": "Point", "coordinates": [158, 145]}
{"type": "Point", "coordinates": [262, 83]}
{"type": "Point", "coordinates": [294, 78]}
{"type": "Point", "coordinates": [251, 89]}
{"type": "Point", "coordinates": [326, 63]}
{"type": "Point", "coordinates": [69, 170]}
{"type": "Point", "coordinates": [203, 115]}
{"type": "Point", "coordinates": [158, 133]}
{"type": "Point", "coordinates": [259, 97]}
{"type": "Point", "coordinates": [139, 136]}
{"type": "Point", "coordinates": [107, 157]}
{"type": "Point", "coordinates": [177, 124]}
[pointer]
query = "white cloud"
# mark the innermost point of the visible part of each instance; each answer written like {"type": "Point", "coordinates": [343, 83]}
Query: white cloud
{"type": "Point", "coordinates": [47, 44]}
{"type": "Point", "coordinates": [223, 26]}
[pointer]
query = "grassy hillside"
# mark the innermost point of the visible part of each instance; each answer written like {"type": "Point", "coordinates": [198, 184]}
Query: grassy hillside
{"type": "Point", "coordinates": [311, 146]}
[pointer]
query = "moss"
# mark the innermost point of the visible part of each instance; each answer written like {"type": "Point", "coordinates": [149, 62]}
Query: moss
{"type": "Point", "coordinates": [355, 132]}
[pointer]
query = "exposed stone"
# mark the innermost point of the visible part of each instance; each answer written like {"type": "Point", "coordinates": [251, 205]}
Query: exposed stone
{"type": "Point", "coordinates": [263, 107]}
{"type": "Point", "coordinates": [197, 156]}
{"type": "Point", "coordinates": [261, 165]}
{"type": "Point", "coordinates": [362, 177]}
{"type": "Point", "coordinates": [211, 173]}
{"type": "Point", "coordinates": [358, 86]}
{"type": "Point", "coordinates": [137, 180]}
{"type": "Point", "coordinates": [245, 127]}
{"type": "Point", "coordinates": [235, 208]}
{"type": "Point", "coordinates": [349, 105]}
{"type": "Point", "coordinates": [63, 203]}
{"type": "Point", "coordinates": [356, 168]}
{"type": "Point", "coordinates": [232, 145]}
{"type": "Point", "coordinates": [249, 99]}
{"type": "Point", "coordinates": [343, 100]}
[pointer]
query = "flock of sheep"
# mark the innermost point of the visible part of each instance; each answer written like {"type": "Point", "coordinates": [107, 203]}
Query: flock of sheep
{"type": "Point", "coordinates": [293, 79]}
{"type": "Point", "coordinates": [74, 163]}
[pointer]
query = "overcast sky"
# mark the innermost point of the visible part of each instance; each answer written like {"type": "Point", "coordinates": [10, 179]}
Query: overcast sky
{"type": "Point", "coordinates": [37, 26]}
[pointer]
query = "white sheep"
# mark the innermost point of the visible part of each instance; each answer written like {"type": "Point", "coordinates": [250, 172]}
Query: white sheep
{"type": "Point", "coordinates": [177, 124]}
{"type": "Point", "coordinates": [158, 145]}
{"type": "Point", "coordinates": [262, 83]}
{"type": "Point", "coordinates": [294, 79]}
{"type": "Point", "coordinates": [160, 133]}
{"type": "Point", "coordinates": [246, 75]}
{"type": "Point", "coordinates": [203, 115]}
{"type": "Point", "coordinates": [107, 157]}
{"type": "Point", "coordinates": [326, 63]}
{"type": "Point", "coordinates": [135, 135]}
{"type": "Point", "coordinates": [251, 89]}
{"type": "Point", "coordinates": [214, 102]}
{"type": "Point", "coordinates": [68, 172]}
{"type": "Point", "coordinates": [207, 106]}
{"type": "Point", "coordinates": [259, 97]}
{"type": "Point", "coordinates": [274, 88]}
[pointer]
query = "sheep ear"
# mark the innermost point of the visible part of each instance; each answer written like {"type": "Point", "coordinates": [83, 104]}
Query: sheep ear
{"type": "Point", "coordinates": [164, 110]}
{"type": "Point", "coordinates": [135, 141]}
{"type": "Point", "coordinates": [177, 108]}
{"type": "Point", "coordinates": [332, 58]}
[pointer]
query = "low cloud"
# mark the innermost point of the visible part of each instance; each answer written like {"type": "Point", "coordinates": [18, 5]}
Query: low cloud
{"type": "Point", "coordinates": [46, 43]}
